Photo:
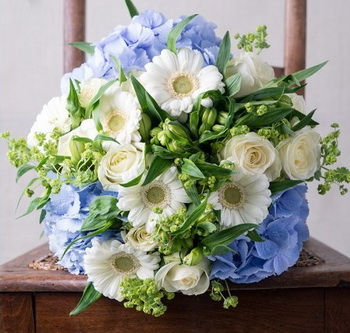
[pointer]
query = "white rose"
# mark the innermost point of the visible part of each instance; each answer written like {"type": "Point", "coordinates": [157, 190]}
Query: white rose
{"type": "Point", "coordinates": [190, 280]}
{"type": "Point", "coordinates": [300, 154]}
{"type": "Point", "coordinates": [254, 72]}
{"type": "Point", "coordinates": [88, 89]}
{"type": "Point", "coordinates": [298, 102]}
{"type": "Point", "coordinates": [121, 164]}
{"type": "Point", "coordinates": [140, 239]}
{"type": "Point", "coordinates": [252, 154]}
{"type": "Point", "coordinates": [87, 129]}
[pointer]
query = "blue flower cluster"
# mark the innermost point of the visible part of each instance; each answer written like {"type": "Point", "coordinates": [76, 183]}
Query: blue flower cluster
{"type": "Point", "coordinates": [65, 214]}
{"type": "Point", "coordinates": [284, 231]}
{"type": "Point", "coordinates": [135, 45]}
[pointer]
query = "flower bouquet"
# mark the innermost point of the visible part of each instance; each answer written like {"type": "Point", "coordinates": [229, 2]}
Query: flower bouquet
{"type": "Point", "coordinates": [170, 165]}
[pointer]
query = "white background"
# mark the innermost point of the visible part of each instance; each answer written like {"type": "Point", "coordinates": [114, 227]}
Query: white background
{"type": "Point", "coordinates": [31, 44]}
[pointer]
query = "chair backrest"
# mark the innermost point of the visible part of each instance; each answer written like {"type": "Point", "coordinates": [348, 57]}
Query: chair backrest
{"type": "Point", "coordinates": [295, 35]}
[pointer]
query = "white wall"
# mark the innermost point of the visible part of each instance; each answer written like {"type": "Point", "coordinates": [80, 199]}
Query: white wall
{"type": "Point", "coordinates": [31, 65]}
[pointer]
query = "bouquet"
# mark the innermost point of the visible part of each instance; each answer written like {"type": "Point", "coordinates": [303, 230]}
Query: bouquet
{"type": "Point", "coordinates": [168, 164]}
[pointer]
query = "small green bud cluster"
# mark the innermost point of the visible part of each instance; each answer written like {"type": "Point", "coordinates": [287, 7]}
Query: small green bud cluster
{"type": "Point", "coordinates": [144, 295]}
{"type": "Point", "coordinates": [252, 41]}
{"type": "Point", "coordinates": [329, 146]}
{"type": "Point", "coordinates": [217, 295]}
{"type": "Point", "coordinates": [239, 130]}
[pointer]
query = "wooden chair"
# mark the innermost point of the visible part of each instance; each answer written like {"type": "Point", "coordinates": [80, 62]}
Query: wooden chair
{"type": "Point", "coordinates": [295, 35]}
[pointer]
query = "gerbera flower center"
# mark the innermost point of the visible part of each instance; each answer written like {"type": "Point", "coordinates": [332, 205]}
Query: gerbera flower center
{"type": "Point", "coordinates": [115, 122]}
{"type": "Point", "coordinates": [125, 264]}
{"type": "Point", "coordinates": [182, 85]}
{"type": "Point", "coordinates": [231, 196]}
{"type": "Point", "coordinates": [156, 195]}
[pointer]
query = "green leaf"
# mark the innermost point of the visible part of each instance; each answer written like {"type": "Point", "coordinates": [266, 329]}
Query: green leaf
{"type": "Point", "coordinates": [102, 209]}
{"type": "Point", "coordinates": [101, 137]}
{"type": "Point", "coordinates": [98, 96]}
{"type": "Point", "coordinates": [279, 186]}
{"type": "Point", "coordinates": [132, 182]}
{"type": "Point", "coordinates": [227, 236]}
{"type": "Point", "coordinates": [191, 169]}
{"type": "Point", "coordinates": [210, 169]}
{"type": "Point", "coordinates": [90, 295]}
{"type": "Point", "coordinates": [305, 73]}
{"type": "Point", "coordinates": [192, 218]}
{"type": "Point", "coordinates": [193, 123]}
{"type": "Point", "coordinates": [176, 31]}
{"type": "Point", "coordinates": [73, 106]}
{"type": "Point", "coordinates": [272, 116]}
{"type": "Point", "coordinates": [301, 116]}
{"type": "Point", "coordinates": [154, 108]}
{"type": "Point", "coordinates": [23, 170]}
{"type": "Point", "coordinates": [220, 250]}
{"type": "Point", "coordinates": [233, 84]}
{"type": "Point", "coordinates": [33, 181]}
{"type": "Point", "coordinates": [86, 47]}
{"type": "Point", "coordinates": [304, 122]}
{"type": "Point", "coordinates": [157, 167]}
{"type": "Point", "coordinates": [81, 139]}
{"type": "Point", "coordinates": [254, 236]}
{"type": "Point", "coordinates": [32, 206]}
{"type": "Point", "coordinates": [96, 118]}
{"type": "Point", "coordinates": [193, 194]}
{"type": "Point", "coordinates": [224, 53]}
{"type": "Point", "coordinates": [270, 92]}
{"type": "Point", "coordinates": [131, 8]}
{"type": "Point", "coordinates": [118, 65]}
{"type": "Point", "coordinates": [42, 215]}
{"type": "Point", "coordinates": [165, 153]}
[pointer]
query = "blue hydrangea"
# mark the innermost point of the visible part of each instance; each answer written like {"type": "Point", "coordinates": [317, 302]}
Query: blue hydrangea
{"type": "Point", "coordinates": [284, 231]}
{"type": "Point", "coordinates": [65, 214]}
{"type": "Point", "coordinates": [135, 45]}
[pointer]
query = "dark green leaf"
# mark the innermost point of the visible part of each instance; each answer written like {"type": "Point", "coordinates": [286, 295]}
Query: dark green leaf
{"type": "Point", "coordinates": [176, 31]}
{"type": "Point", "coordinates": [132, 182]}
{"type": "Point", "coordinates": [301, 116]}
{"type": "Point", "coordinates": [210, 169]}
{"type": "Point", "coordinates": [270, 92]}
{"type": "Point", "coordinates": [194, 216]}
{"type": "Point", "coordinates": [304, 122]}
{"type": "Point", "coordinates": [191, 169]}
{"type": "Point", "coordinates": [23, 170]}
{"type": "Point", "coordinates": [193, 195]}
{"type": "Point", "coordinates": [233, 84]}
{"type": "Point", "coordinates": [254, 236]}
{"type": "Point", "coordinates": [220, 250]}
{"type": "Point", "coordinates": [84, 46]}
{"type": "Point", "coordinates": [42, 215]}
{"type": "Point", "coordinates": [193, 123]}
{"type": "Point", "coordinates": [90, 295]}
{"type": "Point", "coordinates": [165, 153]}
{"type": "Point", "coordinates": [224, 53]}
{"type": "Point", "coordinates": [279, 186]}
{"type": "Point", "coordinates": [157, 167]}
{"type": "Point", "coordinates": [227, 236]}
{"type": "Point", "coordinates": [131, 8]}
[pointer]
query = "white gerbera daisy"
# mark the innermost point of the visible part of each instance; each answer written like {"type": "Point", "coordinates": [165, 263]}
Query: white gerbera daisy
{"type": "Point", "coordinates": [54, 115]}
{"type": "Point", "coordinates": [120, 115]}
{"type": "Point", "coordinates": [175, 80]}
{"type": "Point", "coordinates": [108, 263]}
{"type": "Point", "coordinates": [165, 192]}
{"type": "Point", "coordinates": [245, 199]}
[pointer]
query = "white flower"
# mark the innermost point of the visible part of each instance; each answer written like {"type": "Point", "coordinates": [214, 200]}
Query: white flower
{"type": "Point", "coordinates": [140, 239]}
{"type": "Point", "coordinates": [252, 154]}
{"type": "Point", "coordinates": [175, 80]}
{"type": "Point", "coordinates": [121, 164]}
{"type": "Point", "coordinates": [108, 263]}
{"type": "Point", "coordinates": [245, 199]}
{"type": "Point", "coordinates": [190, 280]}
{"type": "Point", "coordinates": [298, 102]}
{"type": "Point", "coordinates": [120, 115]}
{"type": "Point", "coordinates": [300, 154]}
{"type": "Point", "coordinates": [165, 192]}
{"type": "Point", "coordinates": [88, 89]}
{"type": "Point", "coordinates": [54, 115]}
{"type": "Point", "coordinates": [254, 72]}
{"type": "Point", "coordinates": [87, 129]}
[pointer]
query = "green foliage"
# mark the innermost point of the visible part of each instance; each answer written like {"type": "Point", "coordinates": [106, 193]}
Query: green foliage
{"type": "Point", "coordinates": [224, 54]}
{"type": "Point", "coordinates": [253, 41]}
{"type": "Point", "coordinates": [131, 7]}
{"type": "Point", "coordinates": [216, 294]}
{"type": "Point", "coordinates": [90, 296]}
{"type": "Point", "coordinates": [88, 48]}
{"type": "Point", "coordinates": [144, 295]}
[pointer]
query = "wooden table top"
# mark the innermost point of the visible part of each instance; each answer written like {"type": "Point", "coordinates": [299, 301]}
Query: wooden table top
{"type": "Point", "coordinates": [17, 276]}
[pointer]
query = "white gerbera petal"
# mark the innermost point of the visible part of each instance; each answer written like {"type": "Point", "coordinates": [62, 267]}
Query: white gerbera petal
{"type": "Point", "coordinates": [242, 200]}
{"type": "Point", "coordinates": [175, 80]}
{"type": "Point", "coordinates": [108, 263]}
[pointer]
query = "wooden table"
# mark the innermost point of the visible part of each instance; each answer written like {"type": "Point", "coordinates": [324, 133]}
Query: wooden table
{"type": "Point", "coordinates": [304, 299]}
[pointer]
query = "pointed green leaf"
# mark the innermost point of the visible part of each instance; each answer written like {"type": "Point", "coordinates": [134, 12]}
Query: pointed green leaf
{"type": "Point", "coordinates": [219, 250]}
{"type": "Point", "coordinates": [132, 182]}
{"type": "Point", "coordinates": [304, 122]}
{"type": "Point", "coordinates": [233, 84]}
{"type": "Point", "coordinates": [301, 116]}
{"type": "Point", "coordinates": [90, 295]}
{"type": "Point", "coordinates": [23, 170]}
{"type": "Point", "coordinates": [254, 236]}
{"type": "Point", "coordinates": [305, 73]}
{"type": "Point", "coordinates": [279, 186]}
{"type": "Point", "coordinates": [176, 31]}
{"type": "Point", "coordinates": [73, 105]}
{"type": "Point", "coordinates": [191, 169]}
{"type": "Point", "coordinates": [227, 236]}
{"type": "Point", "coordinates": [193, 217]}
{"type": "Point", "coordinates": [224, 53]}
{"type": "Point", "coordinates": [101, 137]}
{"type": "Point", "coordinates": [157, 167]}
{"type": "Point", "coordinates": [211, 169]}
{"type": "Point", "coordinates": [42, 215]}
{"type": "Point", "coordinates": [131, 8]}
{"type": "Point", "coordinates": [193, 194]}
{"type": "Point", "coordinates": [86, 47]}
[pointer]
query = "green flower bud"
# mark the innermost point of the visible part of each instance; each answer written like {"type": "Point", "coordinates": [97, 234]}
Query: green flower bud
{"type": "Point", "coordinates": [174, 147]}
{"type": "Point", "coordinates": [194, 257]}
{"type": "Point", "coordinates": [285, 102]}
{"type": "Point", "coordinates": [76, 148]}
{"type": "Point", "coordinates": [145, 126]}
{"type": "Point", "coordinates": [222, 118]}
{"type": "Point", "coordinates": [209, 117]}
{"type": "Point", "coordinates": [262, 109]}
{"type": "Point", "coordinates": [218, 128]}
